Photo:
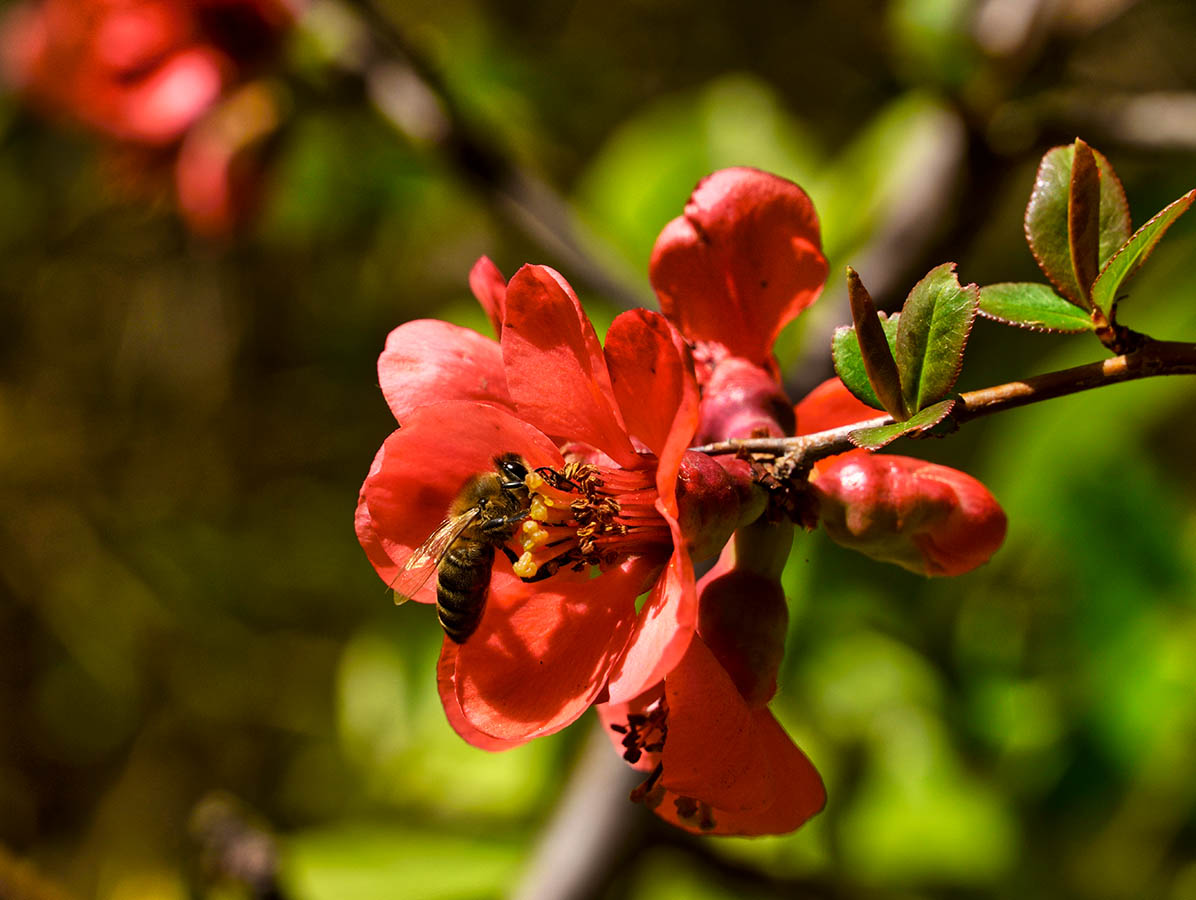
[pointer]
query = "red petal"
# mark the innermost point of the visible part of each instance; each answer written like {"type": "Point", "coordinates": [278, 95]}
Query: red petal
{"type": "Point", "coordinates": [652, 376]}
{"type": "Point", "coordinates": [738, 761]}
{"type": "Point", "coordinates": [429, 361]}
{"type": "Point", "coordinates": [556, 371]}
{"type": "Point", "coordinates": [543, 651]}
{"type": "Point", "coordinates": [367, 535]}
{"type": "Point", "coordinates": [447, 686]}
{"type": "Point", "coordinates": [831, 405]}
{"type": "Point", "coordinates": [799, 793]}
{"type": "Point", "coordinates": [421, 468]}
{"type": "Point", "coordinates": [709, 752]}
{"type": "Point", "coordinates": [663, 630]}
{"type": "Point", "coordinates": [490, 288]}
{"type": "Point", "coordinates": [743, 260]}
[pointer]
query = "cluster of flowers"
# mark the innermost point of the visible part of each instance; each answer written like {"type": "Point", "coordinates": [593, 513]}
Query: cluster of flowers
{"type": "Point", "coordinates": [167, 81]}
{"type": "Point", "coordinates": [622, 508]}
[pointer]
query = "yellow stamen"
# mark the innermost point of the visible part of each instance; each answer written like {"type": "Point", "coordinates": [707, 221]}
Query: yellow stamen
{"type": "Point", "coordinates": [533, 535]}
{"type": "Point", "coordinates": [526, 566]}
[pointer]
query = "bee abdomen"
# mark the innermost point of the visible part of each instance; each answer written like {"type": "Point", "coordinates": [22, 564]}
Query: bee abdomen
{"type": "Point", "coordinates": [462, 582]}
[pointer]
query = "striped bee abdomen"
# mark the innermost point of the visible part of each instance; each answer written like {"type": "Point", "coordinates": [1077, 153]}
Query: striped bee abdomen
{"type": "Point", "coordinates": [464, 579]}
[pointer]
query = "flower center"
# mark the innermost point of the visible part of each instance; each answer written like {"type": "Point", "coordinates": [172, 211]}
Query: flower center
{"type": "Point", "coordinates": [584, 515]}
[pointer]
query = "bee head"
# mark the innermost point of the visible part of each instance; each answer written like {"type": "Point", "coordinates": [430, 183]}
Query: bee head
{"type": "Point", "coordinates": [513, 469]}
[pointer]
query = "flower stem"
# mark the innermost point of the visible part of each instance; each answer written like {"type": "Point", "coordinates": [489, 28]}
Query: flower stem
{"type": "Point", "coordinates": [1150, 359]}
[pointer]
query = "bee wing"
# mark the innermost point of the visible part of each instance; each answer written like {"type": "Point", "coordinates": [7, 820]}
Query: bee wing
{"type": "Point", "coordinates": [423, 562]}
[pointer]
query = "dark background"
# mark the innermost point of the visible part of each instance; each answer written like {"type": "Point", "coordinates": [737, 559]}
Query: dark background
{"type": "Point", "coordinates": [184, 425]}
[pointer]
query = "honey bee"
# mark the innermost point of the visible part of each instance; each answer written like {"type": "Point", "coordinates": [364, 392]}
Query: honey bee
{"type": "Point", "coordinates": [482, 518]}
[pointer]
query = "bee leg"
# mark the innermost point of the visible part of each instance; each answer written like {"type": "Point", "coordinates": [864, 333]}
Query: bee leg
{"type": "Point", "coordinates": [500, 524]}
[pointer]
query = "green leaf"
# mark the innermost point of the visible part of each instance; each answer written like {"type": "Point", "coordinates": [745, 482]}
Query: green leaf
{"type": "Point", "coordinates": [1033, 306]}
{"type": "Point", "coordinates": [1127, 259]}
{"type": "Point", "coordinates": [849, 359]}
{"type": "Point", "coordinates": [876, 354]}
{"type": "Point", "coordinates": [1047, 218]}
{"type": "Point", "coordinates": [933, 332]}
{"type": "Point", "coordinates": [879, 435]}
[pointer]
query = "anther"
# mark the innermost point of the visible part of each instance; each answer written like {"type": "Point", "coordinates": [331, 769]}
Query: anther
{"type": "Point", "coordinates": [526, 566]}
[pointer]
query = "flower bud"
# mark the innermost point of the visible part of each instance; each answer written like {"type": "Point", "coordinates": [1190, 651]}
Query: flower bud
{"type": "Point", "coordinates": [743, 618]}
{"type": "Point", "coordinates": [927, 518]}
{"type": "Point", "coordinates": [714, 497]}
{"type": "Point", "coordinates": [742, 400]}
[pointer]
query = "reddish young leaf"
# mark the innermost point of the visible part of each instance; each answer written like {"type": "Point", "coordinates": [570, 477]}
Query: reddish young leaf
{"type": "Point", "coordinates": [1083, 218]}
{"type": "Point", "coordinates": [1046, 222]}
{"type": "Point", "coordinates": [874, 348]}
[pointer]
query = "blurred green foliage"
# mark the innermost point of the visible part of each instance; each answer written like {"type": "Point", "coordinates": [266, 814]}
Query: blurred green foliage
{"type": "Point", "coordinates": [184, 427]}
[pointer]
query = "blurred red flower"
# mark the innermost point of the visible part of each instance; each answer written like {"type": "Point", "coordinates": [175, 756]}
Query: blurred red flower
{"type": "Point", "coordinates": [148, 74]}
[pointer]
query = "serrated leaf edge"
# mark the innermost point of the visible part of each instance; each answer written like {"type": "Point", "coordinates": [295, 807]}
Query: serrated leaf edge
{"type": "Point", "coordinates": [1026, 326]}
{"type": "Point", "coordinates": [948, 405]}
{"type": "Point", "coordinates": [951, 267]}
{"type": "Point", "coordinates": [1190, 196]}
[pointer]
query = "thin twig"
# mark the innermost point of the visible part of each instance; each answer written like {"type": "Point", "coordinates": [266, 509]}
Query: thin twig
{"type": "Point", "coordinates": [523, 199]}
{"type": "Point", "coordinates": [1153, 358]}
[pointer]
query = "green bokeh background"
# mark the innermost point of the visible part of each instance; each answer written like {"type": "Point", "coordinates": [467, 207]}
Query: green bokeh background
{"type": "Point", "coordinates": [184, 428]}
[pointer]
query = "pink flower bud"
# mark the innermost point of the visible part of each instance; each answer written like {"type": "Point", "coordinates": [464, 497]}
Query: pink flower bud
{"type": "Point", "coordinates": [743, 617]}
{"type": "Point", "coordinates": [927, 518]}
{"type": "Point", "coordinates": [714, 497]}
{"type": "Point", "coordinates": [742, 400]}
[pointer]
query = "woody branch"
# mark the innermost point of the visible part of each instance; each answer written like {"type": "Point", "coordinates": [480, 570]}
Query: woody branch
{"type": "Point", "coordinates": [1153, 358]}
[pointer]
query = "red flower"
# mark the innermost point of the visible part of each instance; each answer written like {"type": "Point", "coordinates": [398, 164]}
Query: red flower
{"type": "Point", "coordinates": [741, 262]}
{"type": "Point", "coordinates": [927, 518]}
{"type": "Point", "coordinates": [718, 761]}
{"type": "Point", "coordinates": [147, 74]}
{"type": "Point", "coordinates": [608, 429]}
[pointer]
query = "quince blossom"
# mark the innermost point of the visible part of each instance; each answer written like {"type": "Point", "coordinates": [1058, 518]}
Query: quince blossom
{"type": "Point", "coordinates": [732, 271]}
{"type": "Point", "coordinates": [607, 431]}
{"type": "Point", "coordinates": [620, 507]}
